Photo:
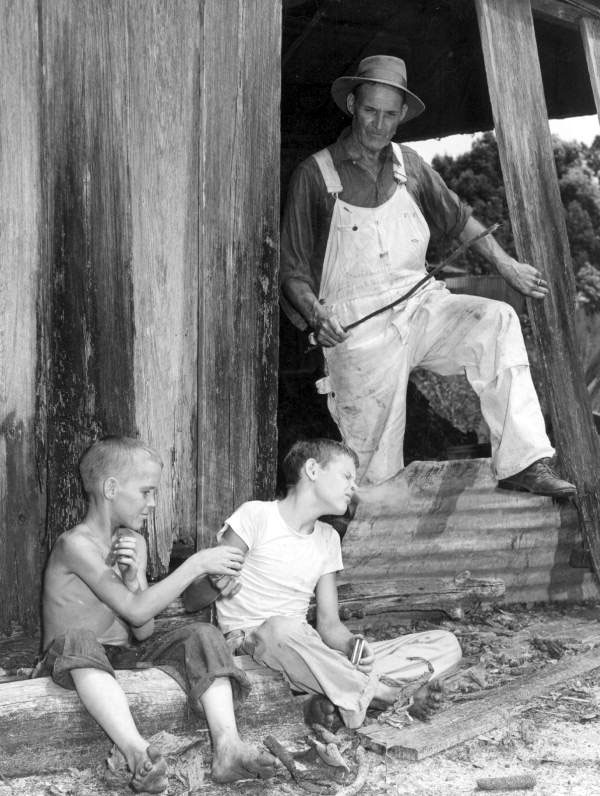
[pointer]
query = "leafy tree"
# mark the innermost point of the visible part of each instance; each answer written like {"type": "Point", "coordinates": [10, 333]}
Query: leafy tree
{"type": "Point", "coordinates": [477, 178]}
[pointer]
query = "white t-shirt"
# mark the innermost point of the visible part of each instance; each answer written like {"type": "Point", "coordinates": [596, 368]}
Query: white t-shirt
{"type": "Point", "coordinates": [281, 569]}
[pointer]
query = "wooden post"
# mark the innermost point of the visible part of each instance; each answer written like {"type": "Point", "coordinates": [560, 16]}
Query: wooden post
{"type": "Point", "coordinates": [590, 35]}
{"type": "Point", "coordinates": [239, 234]}
{"type": "Point", "coordinates": [521, 122]}
{"type": "Point", "coordinates": [21, 403]}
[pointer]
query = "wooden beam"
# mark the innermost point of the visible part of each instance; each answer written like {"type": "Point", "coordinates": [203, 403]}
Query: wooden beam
{"type": "Point", "coordinates": [537, 216]}
{"type": "Point", "coordinates": [590, 35]}
{"type": "Point", "coordinates": [239, 235]}
{"type": "Point", "coordinates": [22, 357]}
{"type": "Point", "coordinates": [464, 721]}
{"type": "Point", "coordinates": [40, 715]}
{"type": "Point", "coordinates": [569, 12]}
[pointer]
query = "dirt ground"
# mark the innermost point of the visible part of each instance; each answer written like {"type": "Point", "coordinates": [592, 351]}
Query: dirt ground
{"type": "Point", "coordinates": [555, 739]}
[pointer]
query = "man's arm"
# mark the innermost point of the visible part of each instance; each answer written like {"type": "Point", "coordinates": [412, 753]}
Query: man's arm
{"type": "Point", "coordinates": [521, 276]}
{"type": "Point", "coordinates": [319, 317]}
{"type": "Point", "coordinates": [82, 558]}
{"type": "Point", "coordinates": [329, 625]}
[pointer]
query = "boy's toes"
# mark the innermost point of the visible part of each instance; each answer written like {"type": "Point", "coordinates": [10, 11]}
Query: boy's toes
{"type": "Point", "coordinates": [319, 710]}
{"type": "Point", "coordinates": [151, 775]}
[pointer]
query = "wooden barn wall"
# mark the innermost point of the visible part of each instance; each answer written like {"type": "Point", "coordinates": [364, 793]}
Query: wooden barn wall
{"type": "Point", "coordinates": [238, 315]}
{"type": "Point", "coordinates": [21, 471]}
{"type": "Point", "coordinates": [140, 188]}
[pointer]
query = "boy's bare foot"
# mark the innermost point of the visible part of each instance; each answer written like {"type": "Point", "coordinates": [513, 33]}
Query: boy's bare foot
{"type": "Point", "coordinates": [151, 773]}
{"type": "Point", "coordinates": [426, 700]}
{"type": "Point", "coordinates": [242, 761]}
{"type": "Point", "coordinates": [319, 710]}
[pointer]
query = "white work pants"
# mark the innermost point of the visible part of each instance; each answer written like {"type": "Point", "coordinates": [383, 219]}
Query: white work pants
{"type": "Point", "coordinates": [447, 334]}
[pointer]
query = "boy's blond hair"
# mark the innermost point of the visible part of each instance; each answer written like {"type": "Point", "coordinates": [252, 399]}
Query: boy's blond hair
{"type": "Point", "coordinates": [112, 456]}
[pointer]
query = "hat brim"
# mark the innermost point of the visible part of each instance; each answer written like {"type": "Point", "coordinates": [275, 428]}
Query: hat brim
{"type": "Point", "coordinates": [344, 85]}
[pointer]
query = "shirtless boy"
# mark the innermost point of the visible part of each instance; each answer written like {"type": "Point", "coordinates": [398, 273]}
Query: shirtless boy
{"type": "Point", "coordinates": [96, 598]}
{"type": "Point", "coordinates": [289, 554]}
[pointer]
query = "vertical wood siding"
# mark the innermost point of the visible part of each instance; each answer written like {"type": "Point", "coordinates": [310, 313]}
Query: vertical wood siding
{"type": "Point", "coordinates": [139, 163]}
{"type": "Point", "coordinates": [239, 243]}
{"type": "Point", "coordinates": [21, 465]}
{"type": "Point", "coordinates": [163, 134]}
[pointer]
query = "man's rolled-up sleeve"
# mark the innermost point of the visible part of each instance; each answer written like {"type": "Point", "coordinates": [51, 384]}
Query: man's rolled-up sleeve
{"type": "Point", "coordinates": [301, 227]}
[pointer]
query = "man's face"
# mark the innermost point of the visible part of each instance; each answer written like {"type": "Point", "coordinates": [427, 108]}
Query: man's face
{"type": "Point", "coordinates": [135, 494]}
{"type": "Point", "coordinates": [376, 113]}
{"type": "Point", "coordinates": [336, 483]}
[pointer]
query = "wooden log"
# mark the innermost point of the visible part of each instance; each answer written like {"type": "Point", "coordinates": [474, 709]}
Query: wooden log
{"type": "Point", "coordinates": [464, 721]}
{"type": "Point", "coordinates": [239, 235]}
{"type": "Point", "coordinates": [425, 594]}
{"type": "Point", "coordinates": [22, 362]}
{"type": "Point", "coordinates": [39, 715]}
{"type": "Point", "coordinates": [537, 216]}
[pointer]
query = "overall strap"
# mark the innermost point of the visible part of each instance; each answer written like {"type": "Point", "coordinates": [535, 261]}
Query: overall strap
{"type": "Point", "coordinates": [398, 163]}
{"type": "Point", "coordinates": [328, 171]}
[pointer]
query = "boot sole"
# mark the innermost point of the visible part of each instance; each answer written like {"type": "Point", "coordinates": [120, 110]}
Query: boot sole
{"type": "Point", "coordinates": [565, 493]}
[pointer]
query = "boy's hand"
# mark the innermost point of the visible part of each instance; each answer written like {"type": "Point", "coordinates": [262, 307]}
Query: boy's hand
{"type": "Point", "coordinates": [228, 585]}
{"type": "Point", "coordinates": [221, 560]}
{"type": "Point", "coordinates": [365, 664]}
{"type": "Point", "coordinates": [124, 553]}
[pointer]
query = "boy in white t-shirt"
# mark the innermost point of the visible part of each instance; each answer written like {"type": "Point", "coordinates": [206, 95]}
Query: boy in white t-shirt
{"type": "Point", "coordinates": [289, 555]}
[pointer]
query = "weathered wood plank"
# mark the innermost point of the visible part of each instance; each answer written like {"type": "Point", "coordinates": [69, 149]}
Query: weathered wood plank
{"type": "Point", "coordinates": [21, 421]}
{"type": "Point", "coordinates": [537, 216]}
{"type": "Point", "coordinates": [239, 233]}
{"type": "Point", "coordinates": [89, 322]}
{"type": "Point", "coordinates": [409, 594]}
{"type": "Point", "coordinates": [163, 130]}
{"type": "Point", "coordinates": [462, 722]}
{"type": "Point", "coordinates": [38, 714]}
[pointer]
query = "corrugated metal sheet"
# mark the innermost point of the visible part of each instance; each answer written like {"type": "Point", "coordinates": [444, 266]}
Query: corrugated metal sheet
{"type": "Point", "coordinates": [437, 519]}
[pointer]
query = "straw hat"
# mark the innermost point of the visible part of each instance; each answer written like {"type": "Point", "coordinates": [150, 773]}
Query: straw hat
{"type": "Point", "coordinates": [385, 69]}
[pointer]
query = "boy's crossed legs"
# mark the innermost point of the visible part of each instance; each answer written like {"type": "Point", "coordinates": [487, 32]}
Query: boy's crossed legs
{"type": "Point", "coordinates": [294, 648]}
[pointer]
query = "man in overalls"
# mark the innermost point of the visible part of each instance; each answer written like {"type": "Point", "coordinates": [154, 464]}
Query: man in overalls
{"type": "Point", "coordinates": [354, 239]}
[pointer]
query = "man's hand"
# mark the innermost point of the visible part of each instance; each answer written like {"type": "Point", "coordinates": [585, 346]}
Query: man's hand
{"type": "Point", "coordinates": [524, 278]}
{"type": "Point", "coordinates": [326, 326]}
{"type": "Point", "coordinates": [221, 560]}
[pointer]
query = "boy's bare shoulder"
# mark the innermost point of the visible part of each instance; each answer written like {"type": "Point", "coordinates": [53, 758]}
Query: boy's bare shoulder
{"type": "Point", "coordinates": [77, 542]}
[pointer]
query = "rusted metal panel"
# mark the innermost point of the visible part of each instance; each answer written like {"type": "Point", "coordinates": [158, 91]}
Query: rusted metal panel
{"type": "Point", "coordinates": [21, 405]}
{"type": "Point", "coordinates": [438, 519]}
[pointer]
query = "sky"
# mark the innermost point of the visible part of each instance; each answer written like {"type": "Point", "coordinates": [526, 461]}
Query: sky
{"type": "Point", "coordinates": [579, 128]}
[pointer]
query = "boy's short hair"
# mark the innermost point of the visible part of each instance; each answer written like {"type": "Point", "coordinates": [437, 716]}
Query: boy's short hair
{"type": "Point", "coordinates": [322, 450]}
{"type": "Point", "coordinates": [111, 456]}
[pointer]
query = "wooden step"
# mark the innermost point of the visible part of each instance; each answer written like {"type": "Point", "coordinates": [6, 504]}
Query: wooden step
{"type": "Point", "coordinates": [438, 519]}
